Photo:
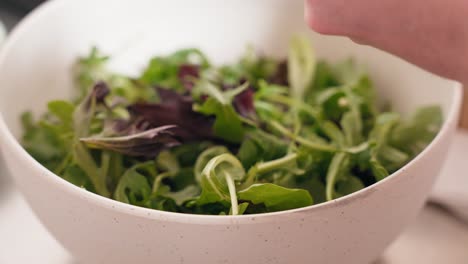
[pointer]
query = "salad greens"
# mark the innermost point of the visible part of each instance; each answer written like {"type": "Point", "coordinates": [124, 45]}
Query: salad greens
{"type": "Point", "coordinates": [260, 135]}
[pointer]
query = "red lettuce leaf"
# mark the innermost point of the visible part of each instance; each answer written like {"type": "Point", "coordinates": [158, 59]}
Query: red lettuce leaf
{"type": "Point", "coordinates": [244, 103]}
{"type": "Point", "coordinates": [186, 74]}
{"type": "Point", "coordinates": [175, 109]}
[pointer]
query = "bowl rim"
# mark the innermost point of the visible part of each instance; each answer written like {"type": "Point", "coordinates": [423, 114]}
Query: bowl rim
{"type": "Point", "coordinates": [12, 145]}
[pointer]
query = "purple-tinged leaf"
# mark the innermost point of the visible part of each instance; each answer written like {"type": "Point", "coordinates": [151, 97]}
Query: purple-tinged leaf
{"type": "Point", "coordinates": [100, 91]}
{"type": "Point", "coordinates": [85, 111]}
{"type": "Point", "coordinates": [175, 109]}
{"type": "Point", "coordinates": [186, 74]}
{"type": "Point", "coordinates": [244, 103]}
{"type": "Point", "coordinates": [148, 143]}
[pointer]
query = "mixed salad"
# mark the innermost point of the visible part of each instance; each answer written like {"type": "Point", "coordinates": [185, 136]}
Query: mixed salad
{"type": "Point", "coordinates": [260, 135]}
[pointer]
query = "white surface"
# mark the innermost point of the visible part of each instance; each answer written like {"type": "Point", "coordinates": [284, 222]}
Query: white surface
{"type": "Point", "coordinates": [354, 229]}
{"type": "Point", "coordinates": [452, 189]}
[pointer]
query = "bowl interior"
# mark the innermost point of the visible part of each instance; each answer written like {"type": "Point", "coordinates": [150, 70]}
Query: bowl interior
{"type": "Point", "coordinates": [37, 59]}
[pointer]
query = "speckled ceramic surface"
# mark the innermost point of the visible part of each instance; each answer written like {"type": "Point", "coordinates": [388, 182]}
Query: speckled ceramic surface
{"type": "Point", "coordinates": [441, 237]}
{"type": "Point", "coordinates": [354, 229]}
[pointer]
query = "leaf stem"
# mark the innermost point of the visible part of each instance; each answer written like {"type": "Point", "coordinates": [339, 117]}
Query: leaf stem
{"type": "Point", "coordinates": [232, 193]}
{"type": "Point", "coordinates": [333, 173]}
{"type": "Point", "coordinates": [88, 165]}
{"type": "Point", "coordinates": [158, 180]}
{"type": "Point", "coordinates": [264, 167]}
{"type": "Point", "coordinates": [307, 143]}
{"type": "Point", "coordinates": [282, 99]}
{"type": "Point", "coordinates": [275, 164]}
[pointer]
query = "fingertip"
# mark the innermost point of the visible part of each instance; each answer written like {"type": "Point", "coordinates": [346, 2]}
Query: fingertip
{"type": "Point", "coordinates": [314, 22]}
{"type": "Point", "coordinates": [307, 13]}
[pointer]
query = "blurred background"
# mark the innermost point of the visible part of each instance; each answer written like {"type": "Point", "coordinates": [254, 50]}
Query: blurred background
{"type": "Point", "coordinates": [13, 10]}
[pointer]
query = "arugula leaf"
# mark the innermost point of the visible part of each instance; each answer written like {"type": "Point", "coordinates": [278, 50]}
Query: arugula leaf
{"type": "Point", "coordinates": [43, 142]}
{"type": "Point", "coordinates": [78, 177]}
{"type": "Point", "coordinates": [324, 78]}
{"type": "Point", "coordinates": [314, 186]}
{"type": "Point", "coordinates": [188, 193]}
{"type": "Point", "coordinates": [256, 67]}
{"type": "Point", "coordinates": [262, 146]}
{"type": "Point", "coordinates": [183, 178]}
{"type": "Point", "coordinates": [392, 158]}
{"type": "Point", "coordinates": [348, 185]}
{"type": "Point", "coordinates": [168, 162]}
{"type": "Point", "coordinates": [164, 71]}
{"type": "Point", "coordinates": [276, 198]}
{"type": "Point", "coordinates": [301, 128]}
{"type": "Point", "coordinates": [188, 153]}
{"type": "Point", "coordinates": [90, 69]}
{"type": "Point", "coordinates": [228, 125]}
{"type": "Point", "coordinates": [253, 67]}
{"type": "Point", "coordinates": [378, 170]}
{"type": "Point", "coordinates": [380, 134]}
{"type": "Point", "coordinates": [413, 136]}
{"type": "Point", "coordinates": [97, 175]}
{"type": "Point", "coordinates": [133, 187]}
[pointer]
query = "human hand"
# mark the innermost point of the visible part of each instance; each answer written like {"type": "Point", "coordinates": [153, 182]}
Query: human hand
{"type": "Point", "coordinates": [432, 34]}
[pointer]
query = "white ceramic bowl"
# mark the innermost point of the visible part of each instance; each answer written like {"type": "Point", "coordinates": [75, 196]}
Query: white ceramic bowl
{"type": "Point", "coordinates": [35, 67]}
